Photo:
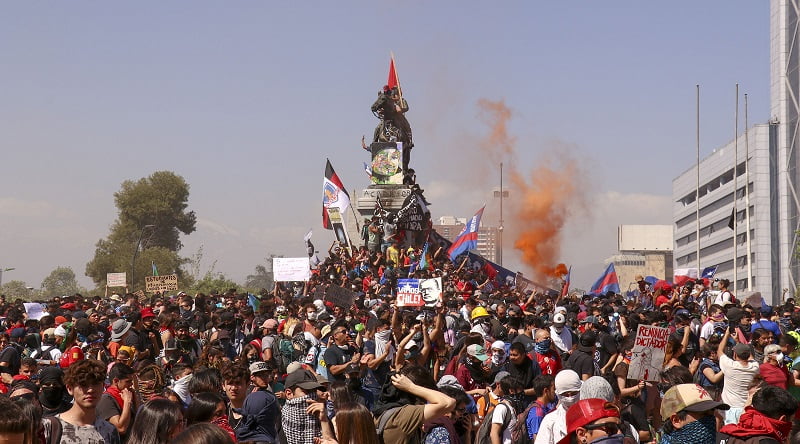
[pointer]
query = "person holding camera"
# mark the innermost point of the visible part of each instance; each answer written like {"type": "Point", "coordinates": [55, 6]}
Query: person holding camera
{"type": "Point", "coordinates": [738, 372]}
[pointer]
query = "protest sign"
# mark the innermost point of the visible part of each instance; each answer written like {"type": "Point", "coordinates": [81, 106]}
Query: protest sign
{"type": "Point", "coordinates": [161, 283]}
{"type": "Point", "coordinates": [117, 279]}
{"type": "Point", "coordinates": [647, 358]}
{"type": "Point", "coordinates": [340, 296]}
{"type": "Point", "coordinates": [408, 293]}
{"type": "Point", "coordinates": [290, 269]}
{"type": "Point", "coordinates": [141, 295]}
{"type": "Point", "coordinates": [431, 290]}
{"type": "Point", "coordinates": [34, 310]}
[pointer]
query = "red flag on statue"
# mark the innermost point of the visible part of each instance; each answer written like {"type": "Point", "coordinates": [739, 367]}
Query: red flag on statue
{"type": "Point", "coordinates": [393, 80]}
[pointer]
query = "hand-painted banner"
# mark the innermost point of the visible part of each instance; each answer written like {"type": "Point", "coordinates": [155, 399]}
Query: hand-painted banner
{"type": "Point", "coordinates": [647, 358]}
{"type": "Point", "coordinates": [291, 269]}
{"type": "Point", "coordinates": [161, 283]}
{"type": "Point", "coordinates": [408, 293]}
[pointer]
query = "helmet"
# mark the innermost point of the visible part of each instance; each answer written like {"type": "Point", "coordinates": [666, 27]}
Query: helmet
{"type": "Point", "coordinates": [478, 312]}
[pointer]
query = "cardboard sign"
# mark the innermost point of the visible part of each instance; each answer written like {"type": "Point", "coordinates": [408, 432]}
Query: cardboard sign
{"type": "Point", "coordinates": [431, 290]}
{"type": "Point", "coordinates": [141, 295]}
{"type": "Point", "coordinates": [648, 351]}
{"type": "Point", "coordinates": [161, 283]}
{"type": "Point", "coordinates": [117, 279]}
{"type": "Point", "coordinates": [340, 296]}
{"type": "Point", "coordinates": [291, 269]}
{"type": "Point", "coordinates": [409, 293]}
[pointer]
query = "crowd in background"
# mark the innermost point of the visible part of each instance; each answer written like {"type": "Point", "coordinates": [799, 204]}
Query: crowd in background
{"type": "Point", "coordinates": [489, 362]}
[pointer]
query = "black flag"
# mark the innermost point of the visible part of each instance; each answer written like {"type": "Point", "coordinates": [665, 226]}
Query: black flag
{"type": "Point", "coordinates": [731, 220]}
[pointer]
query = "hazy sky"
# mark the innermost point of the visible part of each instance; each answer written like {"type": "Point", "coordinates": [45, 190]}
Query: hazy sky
{"type": "Point", "coordinates": [245, 100]}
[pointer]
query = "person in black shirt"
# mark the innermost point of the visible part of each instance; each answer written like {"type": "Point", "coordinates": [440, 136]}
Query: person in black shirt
{"type": "Point", "coordinates": [582, 359]}
{"type": "Point", "coordinates": [340, 355]}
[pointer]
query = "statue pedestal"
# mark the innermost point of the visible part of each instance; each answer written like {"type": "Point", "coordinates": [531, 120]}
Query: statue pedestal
{"type": "Point", "coordinates": [391, 197]}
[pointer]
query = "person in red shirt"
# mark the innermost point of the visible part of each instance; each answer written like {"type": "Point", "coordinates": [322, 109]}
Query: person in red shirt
{"type": "Point", "coordinates": [773, 370]}
{"type": "Point", "coordinates": [544, 353]}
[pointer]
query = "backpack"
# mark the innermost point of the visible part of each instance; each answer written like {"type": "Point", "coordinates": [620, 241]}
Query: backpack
{"type": "Point", "coordinates": [484, 434]}
{"type": "Point", "coordinates": [55, 430]}
{"type": "Point", "coordinates": [459, 323]}
{"type": "Point", "coordinates": [282, 351]}
{"type": "Point", "coordinates": [519, 433]}
{"type": "Point", "coordinates": [383, 420]}
{"type": "Point", "coordinates": [45, 355]}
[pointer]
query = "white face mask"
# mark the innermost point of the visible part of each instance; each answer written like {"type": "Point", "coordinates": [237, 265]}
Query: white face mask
{"type": "Point", "coordinates": [779, 357]}
{"type": "Point", "coordinates": [567, 401]}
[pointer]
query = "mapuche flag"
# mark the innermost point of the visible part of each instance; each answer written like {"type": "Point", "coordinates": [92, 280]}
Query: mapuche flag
{"type": "Point", "coordinates": [334, 195]}
{"type": "Point", "coordinates": [468, 238]}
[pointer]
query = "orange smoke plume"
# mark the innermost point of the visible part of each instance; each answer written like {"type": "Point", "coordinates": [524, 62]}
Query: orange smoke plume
{"type": "Point", "coordinates": [542, 200]}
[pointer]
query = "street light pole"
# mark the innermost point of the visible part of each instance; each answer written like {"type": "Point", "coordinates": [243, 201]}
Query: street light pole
{"type": "Point", "coordinates": [135, 252]}
{"type": "Point", "coordinates": [501, 194]}
{"type": "Point", "coordinates": [1, 274]}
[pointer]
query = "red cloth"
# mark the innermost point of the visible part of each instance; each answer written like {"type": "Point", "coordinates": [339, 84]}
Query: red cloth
{"type": "Point", "coordinates": [549, 363]}
{"type": "Point", "coordinates": [222, 422]}
{"type": "Point", "coordinates": [114, 392]}
{"type": "Point", "coordinates": [774, 375]}
{"type": "Point", "coordinates": [754, 423]}
{"type": "Point", "coordinates": [464, 378]}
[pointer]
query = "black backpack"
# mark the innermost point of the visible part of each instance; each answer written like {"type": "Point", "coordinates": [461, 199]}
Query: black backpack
{"type": "Point", "coordinates": [484, 434]}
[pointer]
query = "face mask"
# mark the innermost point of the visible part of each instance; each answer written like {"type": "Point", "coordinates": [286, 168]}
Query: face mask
{"type": "Point", "coordinates": [559, 329]}
{"type": "Point", "coordinates": [498, 357]}
{"type": "Point", "coordinates": [779, 358]}
{"type": "Point", "coordinates": [745, 327]}
{"type": "Point", "coordinates": [567, 401]}
{"type": "Point", "coordinates": [613, 439]}
{"type": "Point", "coordinates": [383, 335]}
{"type": "Point", "coordinates": [312, 316]}
{"type": "Point", "coordinates": [702, 430]}
{"type": "Point", "coordinates": [543, 347]}
{"type": "Point", "coordinates": [51, 396]}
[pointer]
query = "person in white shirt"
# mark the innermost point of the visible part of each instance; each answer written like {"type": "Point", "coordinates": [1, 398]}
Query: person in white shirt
{"type": "Point", "coordinates": [738, 374]}
{"type": "Point", "coordinates": [554, 425]}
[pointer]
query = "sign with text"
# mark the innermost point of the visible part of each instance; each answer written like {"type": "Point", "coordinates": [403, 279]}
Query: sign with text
{"type": "Point", "coordinates": [34, 310]}
{"type": "Point", "coordinates": [340, 296]}
{"type": "Point", "coordinates": [161, 283]}
{"type": "Point", "coordinates": [141, 295]}
{"type": "Point", "coordinates": [431, 290]}
{"type": "Point", "coordinates": [117, 279]}
{"type": "Point", "coordinates": [290, 269]}
{"type": "Point", "coordinates": [409, 293]}
{"type": "Point", "coordinates": [647, 358]}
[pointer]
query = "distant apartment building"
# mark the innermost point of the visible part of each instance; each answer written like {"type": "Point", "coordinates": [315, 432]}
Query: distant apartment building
{"type": "Point", "coordinates": [643, 250]}
{"type": "Point", "coordinates": [488, 237]}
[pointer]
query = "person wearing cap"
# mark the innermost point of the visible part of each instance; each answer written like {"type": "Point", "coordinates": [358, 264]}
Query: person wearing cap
{"type": "Point", "coordinates": [582, 360]}
{"type": "Point", "coordinates": [553, 427]}
{"type": "Point", "coordinates": [593, 420]}
{"type": "Point", "coordinates": [119, 331]}
{"type": "Point", "coordinates": [299, 425]}
{"type": "Point", "coordinates": [774, 370]}
{"type": "Point", "coordinates": [767, 420]}
{"type": "Point", "coordinates": [472, 375]}
{"type": "Point", "coordinates": [139, 339]}
{"type": "Point", "coordinates": [688, 412]}
{"type": "Point", "coordinates": [562, 336]}
{"type": "Point", "coordinates": [738, 372]}
{"type": "Point", "coordinates": [490, 398]}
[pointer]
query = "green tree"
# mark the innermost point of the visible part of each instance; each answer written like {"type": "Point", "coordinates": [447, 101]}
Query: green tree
{"type": "Point", "coordinates": [212, 282]}
{"type": "Point", "coordinates": [263, 276]}
{"type": "Point", "coordinates": [16, 289]}
{"type": "Point", "coordinates": [152, 216]}
{"type": "Point", "coordinates": [60, 282]}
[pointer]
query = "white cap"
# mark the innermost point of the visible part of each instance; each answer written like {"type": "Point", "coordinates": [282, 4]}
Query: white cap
{"type": "Point", "coordinates": [559, 319]}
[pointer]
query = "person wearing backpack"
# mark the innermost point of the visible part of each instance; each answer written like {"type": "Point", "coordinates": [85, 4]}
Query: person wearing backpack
{"type": "Point", "coordinates": [408, 400]}
{"type": "Point", "coordinates": [501, 420]}
{"type": "Point", "coordinates": [545, 392]}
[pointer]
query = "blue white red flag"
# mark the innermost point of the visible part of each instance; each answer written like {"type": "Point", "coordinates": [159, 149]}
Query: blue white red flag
{"type": "Point", "coordinates": [334, 195]}
{"type": "Point", "coordinates": [709, 272]}
{"type": "Point", "coordinates": [468, 238]}
{"type": "Point", "coordinates": [608, 281]}
{"type": "Point", "coordinates": [565, 290]}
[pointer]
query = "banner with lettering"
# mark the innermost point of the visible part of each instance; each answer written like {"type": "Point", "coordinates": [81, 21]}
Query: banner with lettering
{"type": "Point", "coordinates": [409, 293]}
{"type": "Point", "coordinates": [647, 359]}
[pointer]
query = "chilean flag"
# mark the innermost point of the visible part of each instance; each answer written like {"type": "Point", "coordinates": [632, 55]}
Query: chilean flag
{"type": "Point", "coordinates": [334, 195]}
{"type": "Point", "coordinates": [684, 275]}
{"type": "Point", "coordinates": [608, 282]}
{"type": "Point", "coordinates": [468, 238]}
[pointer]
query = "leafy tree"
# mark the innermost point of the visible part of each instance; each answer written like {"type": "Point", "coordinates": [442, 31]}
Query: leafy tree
{"type": "Point", "coordinates": [152, 216]}
{"type": "Point", "coordinates": [60, 282]}
{"type": "Point", "coordinates": [263, 277]}
{"type": "Point", "coordinates": [15, 289]}
{"type": "Point", "coordinates": [212, 282]}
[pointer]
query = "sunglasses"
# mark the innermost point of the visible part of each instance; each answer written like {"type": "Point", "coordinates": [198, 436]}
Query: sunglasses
{"type": "Point", "coordinates": [611, 428]}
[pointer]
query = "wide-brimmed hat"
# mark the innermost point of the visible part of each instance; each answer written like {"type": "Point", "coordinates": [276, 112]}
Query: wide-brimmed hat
{"type": "Point", "coordinates": [119, 328]}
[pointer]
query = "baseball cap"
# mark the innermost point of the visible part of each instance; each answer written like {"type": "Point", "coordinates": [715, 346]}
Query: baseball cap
{"type": "Point", "coordinates": [742, 350]}
{"type": "Point", "coordinates": [689, 397]}
{"type": "Point", "coordinates": [478, 352]}
{"type": "Point", "coordinates": [271, 324]}
{"type": "Point", "coordinates": [303, 379]}
{"type": "Point", "coordinates": [589, 320]}
{"type": "Point", "coordinates": [147, 312]}
{"type": "Point", "coordinates": [585, 412]}
{"type": "Point", "coordinates": [259, 366]}
{"type": "Point", "coordinates": [499, 377]}
{"type": "Point", "coordinates": [559, 319]}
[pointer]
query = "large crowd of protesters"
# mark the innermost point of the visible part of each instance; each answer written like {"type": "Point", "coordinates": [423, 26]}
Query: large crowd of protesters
{"type": "Point", "coordinates": [489, 363]}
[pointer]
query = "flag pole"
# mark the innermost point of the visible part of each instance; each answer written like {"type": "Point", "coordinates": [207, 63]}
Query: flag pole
{"type": "Point", "coordinates": [697, 190]}
{"type": "Point", "coordinates": [735, 191]}
{"type": "Point", "coordinates": [747, 197]}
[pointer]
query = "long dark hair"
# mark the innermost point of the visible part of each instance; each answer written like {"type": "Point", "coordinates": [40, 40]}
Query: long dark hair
{"type": "Point", "coordinates": [155, 422]}
{"type": "Point", "coordinates": [204, 434]}
{"type": "Point", "coordinates": [354, 425]}
{"type": "Point", "coordinates": [202, 407]}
